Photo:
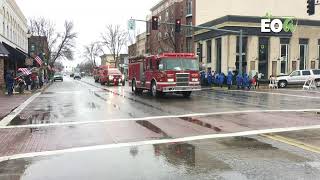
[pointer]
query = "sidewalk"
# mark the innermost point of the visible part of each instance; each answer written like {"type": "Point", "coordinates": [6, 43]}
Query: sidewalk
{"type": "Point", "coordinates": [9, 103]}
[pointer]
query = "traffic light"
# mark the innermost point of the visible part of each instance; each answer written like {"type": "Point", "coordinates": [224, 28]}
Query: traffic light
{"type": "Point", "coordinates": [311, 7]}
{"type": "Point", "coordinates": [178, 25]}
{"type": "Point", "coordinates": [155, 22]}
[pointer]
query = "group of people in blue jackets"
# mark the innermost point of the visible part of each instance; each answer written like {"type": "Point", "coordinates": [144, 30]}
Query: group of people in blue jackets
{"type": "Point", "coordinates": [242, 81]}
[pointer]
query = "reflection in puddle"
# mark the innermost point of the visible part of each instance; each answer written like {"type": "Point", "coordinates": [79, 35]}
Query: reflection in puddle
{"type": "Point", "coordinates": [201, 123]}
{"type": "Point", "coordinates": [249, 143]}
{"type": "Point", "coordinates": [153, 128]}
{"type": "Point", "coordinates": [176, 153]}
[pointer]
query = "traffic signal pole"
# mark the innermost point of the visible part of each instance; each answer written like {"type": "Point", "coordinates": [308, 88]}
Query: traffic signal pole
{"type": "Point", "coordinates": [240, 32]}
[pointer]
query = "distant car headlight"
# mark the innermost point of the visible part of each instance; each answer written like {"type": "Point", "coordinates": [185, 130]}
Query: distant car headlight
{"type": "Point", "coordinates": [110, 77]}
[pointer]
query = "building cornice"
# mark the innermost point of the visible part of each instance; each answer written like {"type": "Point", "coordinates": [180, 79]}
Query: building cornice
{"type": "Point", "coordinates": [17, 10]}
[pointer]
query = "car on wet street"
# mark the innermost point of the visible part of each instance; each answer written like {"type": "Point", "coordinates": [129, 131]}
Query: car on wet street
{"type": "Point", "coordinates": [57, 77]}
{"type": "Point", "coordinates": [77, 76]}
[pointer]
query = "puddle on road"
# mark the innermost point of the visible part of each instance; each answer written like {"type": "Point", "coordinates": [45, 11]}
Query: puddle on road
{"type": "Point", "coordinates": [248, 143]}
{"type": "Point", "coordinates": [153, 128]}
{"type": "Point", "coordinates": [92, 105]}
{"type": "Point", "coordinates": [201, 123]}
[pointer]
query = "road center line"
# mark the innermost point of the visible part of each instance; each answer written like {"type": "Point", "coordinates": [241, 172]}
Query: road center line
{"type": "Point", "coordinates": [5, 121]}
{"type": "Point", "coordinates": [156, 118]}
{"type": "Point", "coordinates": [152, 142]}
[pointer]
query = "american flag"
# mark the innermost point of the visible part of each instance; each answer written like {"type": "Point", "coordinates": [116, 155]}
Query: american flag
{"type": "Point", "coordinates": [38, 60]}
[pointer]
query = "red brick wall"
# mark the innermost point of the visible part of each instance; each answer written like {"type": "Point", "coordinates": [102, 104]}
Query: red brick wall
{"type": "Point", "coordinates": [2, 73]}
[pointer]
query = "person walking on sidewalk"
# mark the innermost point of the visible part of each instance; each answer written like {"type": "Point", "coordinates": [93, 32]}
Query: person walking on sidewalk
{"type": "Point", "coordinates": [9, 82]}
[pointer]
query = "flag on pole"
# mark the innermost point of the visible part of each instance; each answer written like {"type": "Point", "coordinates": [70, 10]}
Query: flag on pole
{"type": "Point", "coordinates": [38, 60]}
{"type": "Point", "coordinates": [24, 71]}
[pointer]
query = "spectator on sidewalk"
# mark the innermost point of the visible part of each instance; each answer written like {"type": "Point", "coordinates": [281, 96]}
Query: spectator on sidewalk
{"type": "Point", "coordinates": [9, 82]}
{"type": "Point", "coordinates": [239, 81]}
{"type": "Point", "coordinates": [33, 79]}
{"type": "Point", "coordinates": [246, 81]}
{"type": "Point", "coordinates": [229, 79]}
{"type": "Point", "coordinates": [221, 79]}
{"type": "Point", "coordinates": [209, 78]}
{"type": "Point", "coordinates": [27, 79]}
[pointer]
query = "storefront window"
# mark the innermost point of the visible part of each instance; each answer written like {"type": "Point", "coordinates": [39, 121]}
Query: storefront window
{"type": "Point", "coordinates": [319, 55]}
{"type": "Point", "coordinates": [284, 56]}
{"type": "Point", "coordinates": [244, 54]}
{"type": "Point", "coordinates": [209, 52]}
{"type": "Point", "coordinates": [303, 56]}
{"type": "Point", "coordinates": [218, 54]}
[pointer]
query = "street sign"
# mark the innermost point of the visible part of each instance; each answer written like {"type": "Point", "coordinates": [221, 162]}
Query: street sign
{"type": "Point", "coordinates": [131, 24]}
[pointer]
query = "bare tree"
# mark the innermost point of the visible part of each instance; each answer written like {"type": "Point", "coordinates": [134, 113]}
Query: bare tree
{"type": "Point", "coordinates": [66, 43]}
{"type": "Point", "coordinates": [92, 51]}
{"type": "Point", "coordinates": [60, 45]}
{"type": "Point", "coordinates": [42, 27]}
{"type": "Point", "coordinates": [114, 38]}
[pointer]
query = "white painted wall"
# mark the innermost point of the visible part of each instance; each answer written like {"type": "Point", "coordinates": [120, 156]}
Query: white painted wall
{"type": "Point", "coordinates": [13, 25]}
{"type": "Point", "coordinates": [207, 10]}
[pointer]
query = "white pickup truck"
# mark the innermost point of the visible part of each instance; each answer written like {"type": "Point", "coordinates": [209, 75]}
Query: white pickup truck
{"type": "Point", "coordinates": [299, 77]}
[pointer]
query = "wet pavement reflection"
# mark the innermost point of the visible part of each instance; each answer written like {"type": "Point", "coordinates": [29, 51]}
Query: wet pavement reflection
{"type": "Point", "coordinates": [226, 158]}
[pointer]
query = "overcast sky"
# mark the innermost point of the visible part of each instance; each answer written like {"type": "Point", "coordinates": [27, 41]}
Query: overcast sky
{"type": "Point", "coordinates": [90, 17]}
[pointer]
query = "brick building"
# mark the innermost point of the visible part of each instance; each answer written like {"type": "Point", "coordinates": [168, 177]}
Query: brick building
{"type": "Point", "coordinates": [38, 46]}
{"type": "Point", "coordinates": [166, 39]}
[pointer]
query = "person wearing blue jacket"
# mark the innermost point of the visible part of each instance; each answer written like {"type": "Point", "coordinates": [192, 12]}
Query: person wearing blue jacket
{"type": "Point", "coordinates": [209, 78]}
{"type": "Point", "coordinates": [245, 80]}
{"type": "Point", "coordinates": [221, 79]}
{"type": "Point", "coordinates": [239, 80]}
{"type": "Point", "coordinates": [9, 83]}
{"type": "Point", "coordinates": [229, 79]}
{"type": "Point", "coordinates": [202, 75]}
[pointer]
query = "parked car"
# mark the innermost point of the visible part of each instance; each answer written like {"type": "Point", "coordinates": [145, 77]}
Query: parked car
{"type": "Point", "coordinates": [57, 76]}
{"type": "Point", "coordinates": [77, 76]}
{"type": "Point", "coordinates": [72, 75]}
{"type": "Point", "coordinates": [299, 77]}
{"type": "Point", "coordinates": [111, 76]}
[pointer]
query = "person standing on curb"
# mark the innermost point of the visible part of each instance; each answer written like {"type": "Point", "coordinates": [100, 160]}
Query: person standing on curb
{"type": "Point", "coordinates": [9, 83]}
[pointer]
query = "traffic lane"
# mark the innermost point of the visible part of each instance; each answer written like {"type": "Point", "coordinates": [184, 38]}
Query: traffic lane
{"type": "Point", "coordinates": [219, 100]}
{"type": "Point", "coordinates": [227, 158]}
{"type": "Point", "coordinates": [72, 101]}
{"type": "Point", "coordinates": [17, 140]}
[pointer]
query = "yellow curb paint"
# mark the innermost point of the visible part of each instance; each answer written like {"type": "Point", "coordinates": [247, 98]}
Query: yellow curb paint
{"type": "Point", "coordinates": [293, 142]}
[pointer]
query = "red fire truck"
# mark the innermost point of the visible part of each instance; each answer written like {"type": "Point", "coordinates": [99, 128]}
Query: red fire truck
{"type": "Point", "coordinates": [168, 72]}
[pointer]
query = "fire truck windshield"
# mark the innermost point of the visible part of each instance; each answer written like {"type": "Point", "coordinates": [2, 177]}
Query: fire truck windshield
{"type": "Point", "coordinates": [180, 64]}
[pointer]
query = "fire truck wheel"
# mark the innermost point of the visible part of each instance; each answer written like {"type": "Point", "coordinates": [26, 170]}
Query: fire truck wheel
{"type": "Point", "coordinates": [186, 94]}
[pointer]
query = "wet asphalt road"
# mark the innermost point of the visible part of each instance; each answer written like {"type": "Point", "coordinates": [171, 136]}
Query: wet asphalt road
{"type": "Point", "coordinates": [244, 157]}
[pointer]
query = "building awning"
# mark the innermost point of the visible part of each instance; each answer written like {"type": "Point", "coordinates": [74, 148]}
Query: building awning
{"type": "Point", "coordinates": [3, 51]}
{"type": "Point", "coordinates": [15, 54]}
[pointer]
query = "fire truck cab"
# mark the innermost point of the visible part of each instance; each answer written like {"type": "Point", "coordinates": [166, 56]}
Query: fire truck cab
{"type": "Point", "coordinates": [165, 73]}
